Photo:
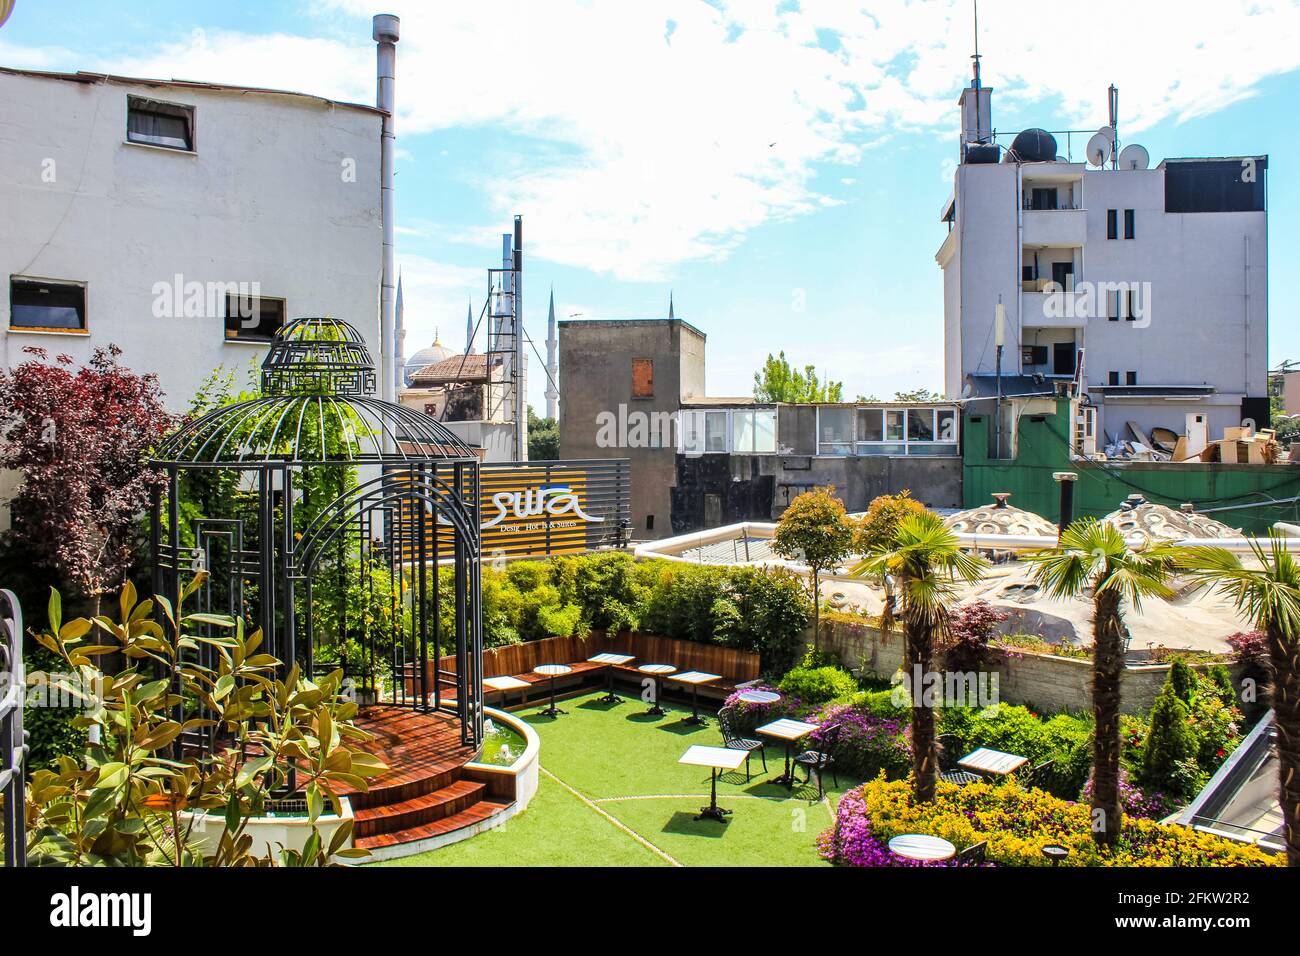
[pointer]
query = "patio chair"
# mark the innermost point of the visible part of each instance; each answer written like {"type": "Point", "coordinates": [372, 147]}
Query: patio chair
{"type": "Point", "coordinates": [948, 745]}
{"type": "Point", "coordinates": [733, 741]}
{"type": "Point", "coordinates": [973, 855]}
{"type": "Point", "coordinates": [1040, 775]}
{"type": "Point", "coordinates": [821, 760]}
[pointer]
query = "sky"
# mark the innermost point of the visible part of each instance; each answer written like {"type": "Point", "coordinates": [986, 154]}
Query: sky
{"type": "Point", "coordinates": [780, 168]}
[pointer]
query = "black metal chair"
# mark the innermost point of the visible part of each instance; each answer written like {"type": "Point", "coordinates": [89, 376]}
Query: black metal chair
{"type": "Point", "coordinates": [733, 741]}
{"type": "Point", "coordinates": [948, 746]}
{"type": "Point", "coordinates": [1040, 775]}
{"type": "Point", "coordinates": [973, 855]}
{"type": "Point", "coordinates": [821, 760]}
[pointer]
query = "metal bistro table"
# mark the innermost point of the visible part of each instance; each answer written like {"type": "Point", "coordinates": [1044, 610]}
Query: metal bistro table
{"type": "Point", "coordinates": [552, 671]}
{"type": "Point", "coordinates": [657, 670]}
{"type": "Point", "coordinates": [787, 730]}
{"type": "Point", "coordinates": [995, 762]}
{"type": "Point", "coordinates": [610, 661]}
{"type": "Point", "coordinates": [695, 679]}
{"type": "Point", "coordinates": [505, 685]}
{"type": "Point", "coordinates": [918, 846]}
{"type": "Point", "coordinates": [715, 758]}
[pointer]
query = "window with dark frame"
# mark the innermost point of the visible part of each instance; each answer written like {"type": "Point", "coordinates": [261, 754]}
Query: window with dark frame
{"type": "Point", "coordinates": [1130, 378]}
{"type": "Point", "coordinates": [153, 123]}
{"type": "Point", "coordinates": [1112, 378]}
{"type": "Point", "coordinates": [1112, 306]}
{"type": "Point", "coordinates": [1112, 223]}
{"type": "Point", "coordinates": [1129, 223]}
{"type": "Point", "coordinates": [44, 305]}
{"type": "Point", "coordinates": [1130, 306]}
{"type": "Point", "coordinates": [250, 319]}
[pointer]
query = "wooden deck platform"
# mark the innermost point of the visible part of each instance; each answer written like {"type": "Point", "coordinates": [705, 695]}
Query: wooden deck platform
{"type": "Point", "coordinates": [424, 792]}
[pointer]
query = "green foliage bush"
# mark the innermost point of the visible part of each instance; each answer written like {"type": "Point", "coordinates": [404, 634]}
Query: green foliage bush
{"type": "Point", "coordinates": [818, 685]}
{"type": "Point", "coordinates": [1063, 739]}
{"type": "Point", "coordinates": [1167, 758]}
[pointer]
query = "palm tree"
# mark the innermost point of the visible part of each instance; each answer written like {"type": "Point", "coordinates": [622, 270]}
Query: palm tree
{"type": "Point", "coordinates": [1094, 557]}
{"type": "Point", "coordinates": [1270, 597]}
{"type": "Point", "coordinates": [924, 560]}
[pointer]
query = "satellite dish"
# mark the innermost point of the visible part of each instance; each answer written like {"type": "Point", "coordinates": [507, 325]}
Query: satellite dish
{"type": "Point", "coordinates": [1134, 156]}
{"type": "Point", "coordinates": [1099, 148]}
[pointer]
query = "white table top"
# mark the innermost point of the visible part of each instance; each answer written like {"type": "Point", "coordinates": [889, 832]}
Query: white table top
{"type": "Point", "coordinates": [610, 659]}
{"type": "Point", "coordinates": [917, 846]}
{"type": "Point", "coordinates": [787, 729]}
{"type": "Point", "coordinates": [759, 696]}
{"type": "Point", "coordinates": [720, 758]}
{"type": "Point", "coordinates": [657, 668]}
{"type": "Point", "coordinates": [504, 683]}
{"type": "Point", "coordinates": [552, 670]}
{"type": "Point", "coordinates": [992, 761]}
{"type": "Point", "coordinates": [696, 677]}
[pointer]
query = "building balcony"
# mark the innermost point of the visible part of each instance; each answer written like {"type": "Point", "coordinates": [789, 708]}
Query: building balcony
{"type": "Point", "coordinates": [1054, 227]}
{"type": "Point", "coordinates": [1052, 310]}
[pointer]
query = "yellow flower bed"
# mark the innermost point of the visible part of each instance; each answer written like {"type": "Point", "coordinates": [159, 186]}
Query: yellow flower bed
{"type": "Point", "coordinates": [1018, 822]}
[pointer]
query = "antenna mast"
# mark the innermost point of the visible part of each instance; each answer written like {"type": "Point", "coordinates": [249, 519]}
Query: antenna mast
{"type": "Point", "coordinates": [1112, 97]}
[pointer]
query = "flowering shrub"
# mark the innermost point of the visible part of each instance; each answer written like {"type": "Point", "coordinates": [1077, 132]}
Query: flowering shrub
{"type": "Point", "coordinates": [851, 842]}
{"type": "Point", "coordinates": [1152, 805]}
{"type": "Point", "coordinates": [969, 632]}
{"type": "Point", "coordinates": [1016, 823]}
{"type": "Point", "coordinates": [748, 715]}
{"type": "Point", "coordinates": [867, 745]}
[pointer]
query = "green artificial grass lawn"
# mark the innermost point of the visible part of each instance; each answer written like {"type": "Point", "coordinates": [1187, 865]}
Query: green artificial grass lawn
{"type": "Point", "coordinates": [625, 762]}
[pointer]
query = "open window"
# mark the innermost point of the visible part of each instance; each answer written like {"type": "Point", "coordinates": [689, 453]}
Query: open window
{"type": "Point", "coordinates": [253, 318]}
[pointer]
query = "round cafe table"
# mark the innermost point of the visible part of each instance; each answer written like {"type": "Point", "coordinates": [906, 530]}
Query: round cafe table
{"type": "Point", "coordinates": [759, 696]}
{"type": "Point", "coordinates": [918, 846]}
{"type": "Point", "coordinates": [657, 670]}
{"type": "Point", "coordinates": [552, 671]}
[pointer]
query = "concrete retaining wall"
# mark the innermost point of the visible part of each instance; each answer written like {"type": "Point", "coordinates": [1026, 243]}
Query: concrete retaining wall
{"type": "Point", "coordinates": [1043, 682]}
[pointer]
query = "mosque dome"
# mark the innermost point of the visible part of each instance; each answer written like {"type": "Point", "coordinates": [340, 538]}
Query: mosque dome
{"type": "Point", "coordinates": [430, 355]}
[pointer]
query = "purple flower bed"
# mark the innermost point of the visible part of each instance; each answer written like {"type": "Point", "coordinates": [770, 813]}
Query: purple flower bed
{"type": "Point", "coordinates": [867, 744]}
{"type": "Point", "coordinates": [1135, 802]}
{"type": "Point", "coordinates": [850, 841]}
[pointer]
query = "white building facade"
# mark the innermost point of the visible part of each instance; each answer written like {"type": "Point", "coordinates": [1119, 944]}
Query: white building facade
{"type": "Point", "coordinates": [182, 222]}
{"type": "Point", "coordinates": [1151, 284]}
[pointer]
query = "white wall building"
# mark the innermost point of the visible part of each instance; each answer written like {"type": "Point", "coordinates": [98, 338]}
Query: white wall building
{"type": "Point", "coordinates": [145, 213]}
{"type": "Point", "coordinates": [1159, 277]}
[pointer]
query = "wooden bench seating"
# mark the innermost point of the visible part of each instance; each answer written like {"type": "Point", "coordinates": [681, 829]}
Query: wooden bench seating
{"type": "Point", "coordinates": [737, 668]}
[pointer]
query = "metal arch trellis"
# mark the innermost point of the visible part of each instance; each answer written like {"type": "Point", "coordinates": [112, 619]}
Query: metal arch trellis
{"type": "Point", "coordinates": [13, 739]}
{"type": "Point", "coordinates": [265, 554]}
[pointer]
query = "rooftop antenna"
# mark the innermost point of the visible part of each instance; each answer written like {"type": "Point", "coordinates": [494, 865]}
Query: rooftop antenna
{"type": "Point", "coordinates": [975, 80]}
{"type": "Point", "coordinates": [1112, 96]}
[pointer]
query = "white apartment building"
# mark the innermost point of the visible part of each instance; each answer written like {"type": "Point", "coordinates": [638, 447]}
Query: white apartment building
{"type": "Point", "coordinates": [183, 222]}
{"type": "Point", "coordinates": [1151, 283]}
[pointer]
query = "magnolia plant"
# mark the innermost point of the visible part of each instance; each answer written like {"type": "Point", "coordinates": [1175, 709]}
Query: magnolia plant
{"type": "Point", "coordinates": [133, 801]}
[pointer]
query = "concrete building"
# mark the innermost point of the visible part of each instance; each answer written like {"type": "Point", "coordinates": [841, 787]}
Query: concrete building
{"type": "Point", "coordinates": [1152, 284]}
{"type": "Point", "coordinates": [624, 382]}
{"type": "Point", "coordinates": [635, 389]}
{"type": "Point", "coordinates": [183, 222]}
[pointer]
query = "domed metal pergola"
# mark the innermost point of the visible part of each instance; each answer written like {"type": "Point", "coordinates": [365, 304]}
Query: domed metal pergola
{"type": "Point", "coordinates": [318, 477]}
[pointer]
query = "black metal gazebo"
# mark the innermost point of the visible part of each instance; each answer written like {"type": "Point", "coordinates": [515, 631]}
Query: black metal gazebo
{"type": "Point", "coordinates": [316, 485]}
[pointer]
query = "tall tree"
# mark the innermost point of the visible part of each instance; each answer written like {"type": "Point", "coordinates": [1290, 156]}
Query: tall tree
{"type": "Point", "coordinates": [779, 382]}
{"type": "Point", "coordinates": [543, 438]}
{"type": "Point", "coordinates": [80, 439]}
{"type": "Point", "coordinates": [816, 530]}
{"type": "Point", "coordinates": [925, 561]}
{"type": "Point", "coordinates": [1269, 595]}
{"type": "Point", "coordinates": [1094, 557]}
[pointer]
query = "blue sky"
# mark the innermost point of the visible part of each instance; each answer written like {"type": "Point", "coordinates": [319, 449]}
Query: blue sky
{"type": "Point", "coordinates": [780, 166]}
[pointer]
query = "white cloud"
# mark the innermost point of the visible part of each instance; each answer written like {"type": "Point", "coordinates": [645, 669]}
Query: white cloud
{"type": "Point", "coordinates": [663, 133]}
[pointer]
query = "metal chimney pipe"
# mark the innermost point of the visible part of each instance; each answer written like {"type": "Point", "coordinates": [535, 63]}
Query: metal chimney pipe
{"type": "Point", "coordinates": [385, 29]}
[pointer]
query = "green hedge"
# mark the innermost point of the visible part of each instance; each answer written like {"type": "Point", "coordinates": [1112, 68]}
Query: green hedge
{"type": "Point", "coordinates": [747, 608]}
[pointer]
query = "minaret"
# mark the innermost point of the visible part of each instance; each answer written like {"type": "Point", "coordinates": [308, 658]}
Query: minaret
{"type": "Point", "coordinates": [552, 363]}
{"type": "Point", "coordinates": [399, 337]}
{"type": "Point", "coordinates": [469, 327]}
{"type": "Point", "coordinates": [670, 304]}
